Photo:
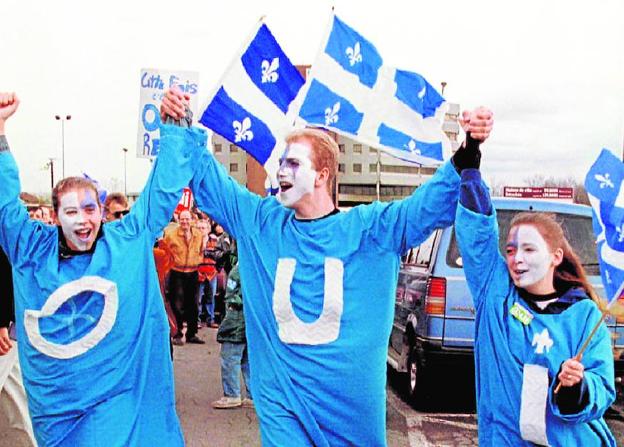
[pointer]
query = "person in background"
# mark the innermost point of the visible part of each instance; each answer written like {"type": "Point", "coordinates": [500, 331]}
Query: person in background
{"type": "Point", "coordinates": [115, 206]}
{"type": "Point", "coordinates": [231, 335]}
{"type": "Point", "coordinates": [206, 272]}
{"type": "Point", "coordinates": [185, 243]}
{"type": "Point", "coordinates": [12, 394]}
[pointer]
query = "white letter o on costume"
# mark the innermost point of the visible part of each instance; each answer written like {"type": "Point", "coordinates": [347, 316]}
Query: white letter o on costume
{"type": "Point", "coordinates": [61, 295]}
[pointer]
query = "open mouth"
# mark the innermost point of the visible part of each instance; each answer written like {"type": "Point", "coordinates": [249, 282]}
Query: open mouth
{"type": "Point", "coordinates": [83, 235]}
{"type": "Point", "coordinates": [285, 186]}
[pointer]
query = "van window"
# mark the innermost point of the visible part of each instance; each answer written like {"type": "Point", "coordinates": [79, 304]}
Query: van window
{"type": "Point", "coordinates": [578, 231]}
{"type": "Point", "coordinates": [421, 255]}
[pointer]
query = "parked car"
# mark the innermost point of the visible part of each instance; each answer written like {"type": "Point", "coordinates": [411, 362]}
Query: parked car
{"type": "Point", "coordinates": [434, 313]}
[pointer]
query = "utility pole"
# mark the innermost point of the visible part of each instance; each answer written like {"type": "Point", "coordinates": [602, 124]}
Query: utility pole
{"type": "Point", "coordinates": [125, 151]}
{"type": "Point", "coordinates": [62, 119]}
{"type": "Point", "coordinates": [51, 166]}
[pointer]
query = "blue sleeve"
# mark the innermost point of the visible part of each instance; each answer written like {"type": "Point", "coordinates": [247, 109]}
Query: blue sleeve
{"type": "Point", "coordinates": [19, 235]}
{"type": "Point", "coordinates": [477, 238]}
{"type": "Point", "coordinates": [172, 171]}
{"type": "Point", "coordinates": [598, 377]}
{"type": "Point", "coordinates": [217, 194]}
{"type": "Point", "coordinates": [400, 225]}
{"type": "Point", "coordinates": [473, 193]}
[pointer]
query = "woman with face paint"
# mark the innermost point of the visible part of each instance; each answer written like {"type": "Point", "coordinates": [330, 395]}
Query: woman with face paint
{"type": "Point", "coordinates": [90, 322]}
{"type": "Point", "coordinates": [535, 308]}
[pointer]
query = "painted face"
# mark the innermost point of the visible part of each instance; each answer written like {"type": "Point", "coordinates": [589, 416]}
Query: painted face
{"type": "Point", "coordinates": [80, 218]}
{"type": "Point", "coordinates": [296, 175]}
{"type": "Point", "coordinates": [529, 259]}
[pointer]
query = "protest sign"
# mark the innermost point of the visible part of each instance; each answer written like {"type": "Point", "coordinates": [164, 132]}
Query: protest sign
{"type": "Point", "coordinates": [154, 82]}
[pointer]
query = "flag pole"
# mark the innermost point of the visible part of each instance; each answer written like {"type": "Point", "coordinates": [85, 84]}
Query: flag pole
{"type": "Point", "coordinates": [579, 356]}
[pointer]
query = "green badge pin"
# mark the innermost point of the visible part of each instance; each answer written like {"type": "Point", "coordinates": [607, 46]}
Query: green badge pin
{"type": "Point", "coordinates": [521, 314]}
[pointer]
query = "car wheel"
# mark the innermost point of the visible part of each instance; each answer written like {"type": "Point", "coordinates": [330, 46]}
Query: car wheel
{"type": "Point", "coordinates": [417, 388]}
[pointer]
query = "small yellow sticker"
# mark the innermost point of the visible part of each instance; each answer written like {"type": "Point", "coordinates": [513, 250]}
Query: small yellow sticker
{"type": "Point", "coordinates": [521, 314]}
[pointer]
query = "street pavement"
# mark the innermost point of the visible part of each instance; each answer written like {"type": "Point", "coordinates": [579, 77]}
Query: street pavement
{"type": "Point", "coordinates": [448, 421]}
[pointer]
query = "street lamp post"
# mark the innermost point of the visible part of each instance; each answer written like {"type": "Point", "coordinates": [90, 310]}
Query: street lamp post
{"type": "Point", "coordinates": [125, 151]}
{"type": "Point", "coordinates": [62, 119]}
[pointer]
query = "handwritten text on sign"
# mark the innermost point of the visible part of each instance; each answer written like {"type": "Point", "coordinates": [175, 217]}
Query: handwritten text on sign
{"type": "Point", "coordinates": [153, 85]}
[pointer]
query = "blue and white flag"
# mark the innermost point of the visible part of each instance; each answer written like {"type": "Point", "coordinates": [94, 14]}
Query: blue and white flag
{"type": "Point", "coordinates": [251, 103]}
{"type": "Point", "coordinates": [352, 92]}
{"type": "Point", "coordinates": [605, 186]}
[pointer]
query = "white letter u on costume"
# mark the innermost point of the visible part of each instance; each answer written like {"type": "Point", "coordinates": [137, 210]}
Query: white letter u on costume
{"type": "Point", "coordinates": [327, 327]}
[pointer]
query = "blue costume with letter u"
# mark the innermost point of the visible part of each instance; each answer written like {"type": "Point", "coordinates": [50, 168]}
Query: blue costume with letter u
{"type": "Point", "coordinates": [92, 328]}
{"type": "Point", "coordinates": [319, 299]}
{"type": "Point", "coordinates": [517, 361]}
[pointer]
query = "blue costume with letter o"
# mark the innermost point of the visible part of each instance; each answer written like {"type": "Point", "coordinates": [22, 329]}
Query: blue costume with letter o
{"type": "Point", "coordinates": [92, 328]}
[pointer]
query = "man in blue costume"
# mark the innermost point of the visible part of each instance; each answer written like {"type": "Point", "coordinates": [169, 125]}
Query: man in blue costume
{"type": "Point", "coordinates": [90, 320]}
{"type": "Point", "coordinates": [533, 314]}
{"type": "Point", "coordinates": [311, 277]}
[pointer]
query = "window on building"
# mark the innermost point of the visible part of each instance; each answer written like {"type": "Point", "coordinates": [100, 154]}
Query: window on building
{"type": "Point", "coordinates": [372, 150]}
{"type": "Point", "coordinates": [233, 148]}
{"type": "Point", "coordinates": [233, 167]}
{"type": "Point", "coordinates": [357, 167]}
{"type": "Point", "coordinates": [341, 148]}
{"type": "Point", "coordinates": [218, 148]}
{"type": "Point", "coordinates": [341, 167]}
{"type": "Point", "coordinates": [372, 167]}
{"type": "Point", "coordinates": [357, 148]}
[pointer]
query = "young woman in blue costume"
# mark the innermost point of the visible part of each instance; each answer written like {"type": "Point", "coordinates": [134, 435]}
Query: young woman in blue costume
{"type": "Point", "coordinates": [535, 308]}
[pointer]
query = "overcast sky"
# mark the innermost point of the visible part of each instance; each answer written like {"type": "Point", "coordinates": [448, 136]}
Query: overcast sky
{"type": "Point", "coordinates": [552, 71]}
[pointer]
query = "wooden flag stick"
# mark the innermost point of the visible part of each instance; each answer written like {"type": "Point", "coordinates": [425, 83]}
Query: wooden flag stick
{"type": "Point", "coordinates": [579, 356]}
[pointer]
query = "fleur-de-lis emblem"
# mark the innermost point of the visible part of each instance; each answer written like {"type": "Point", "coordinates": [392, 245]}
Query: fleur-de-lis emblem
{"type": "Point", "coordinates": [354, 54]}
{"type": "Point", "coordinates": [604, 180]}
{"type": "Point", "coordinates": [331, 114]}
{"type": "Point", "coordinates": [542, 341]}
{"type": "Point", "coordinates": [620, 232]}
{"type": "Point", "coordinates": [269, 71]}
{"type": "Point", "coordinates": [411, 146]}
{"type": "Point", "coordinates": [242, 130]}
{"type": "Point", "coordinates": [421, 94]}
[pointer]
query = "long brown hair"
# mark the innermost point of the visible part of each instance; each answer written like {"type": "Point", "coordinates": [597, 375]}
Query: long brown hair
{"type": "Point", "coordinates": [570, 272]}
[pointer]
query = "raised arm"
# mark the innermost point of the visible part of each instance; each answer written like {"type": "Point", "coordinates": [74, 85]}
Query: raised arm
{"type": "Point", "coordinates": [180, 148]}
{"type": "Point", "coordinates": [215, 192]}
{"type": "Point", "coordinates": [18, 233]}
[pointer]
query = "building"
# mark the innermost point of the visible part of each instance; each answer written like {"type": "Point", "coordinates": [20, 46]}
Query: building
{"type": "Point", "coordinates": [365, 173]}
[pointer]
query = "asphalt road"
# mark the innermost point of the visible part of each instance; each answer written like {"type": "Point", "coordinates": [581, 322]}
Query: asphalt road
{"type": "Point", "coordinates": [449, 419]}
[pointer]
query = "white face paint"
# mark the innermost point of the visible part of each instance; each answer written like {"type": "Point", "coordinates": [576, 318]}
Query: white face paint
{"type": "Point", "coordinates": [296, 175]}
{"type": "Point", "coordinates": [529, 259]}
{"type": "Point", "coordinates": [80, 218]}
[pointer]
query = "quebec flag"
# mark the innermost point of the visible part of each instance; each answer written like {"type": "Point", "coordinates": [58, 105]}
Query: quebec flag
{"type": "Point", "coordinates": [251, 103]}
{"type": "Point", "coordinates": [352, 92]}
{"type": "Point", "coordinates": [605, 186]}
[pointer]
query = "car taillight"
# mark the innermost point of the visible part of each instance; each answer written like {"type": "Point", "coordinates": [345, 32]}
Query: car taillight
{"type": "Point", "coordinates": [435, 300]}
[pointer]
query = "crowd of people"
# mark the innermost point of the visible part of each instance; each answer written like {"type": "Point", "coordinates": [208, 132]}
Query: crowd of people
{"type": "Point", "coordinates": [300, 268]}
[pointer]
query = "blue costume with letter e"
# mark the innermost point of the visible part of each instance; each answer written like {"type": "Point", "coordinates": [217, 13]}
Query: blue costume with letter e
{"type": "Point", "coordinates": [519, 351]}
{"type": "Point", "coordinates": [319, 298]}
{"type": "Point", "coordinates": [92, 328]}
